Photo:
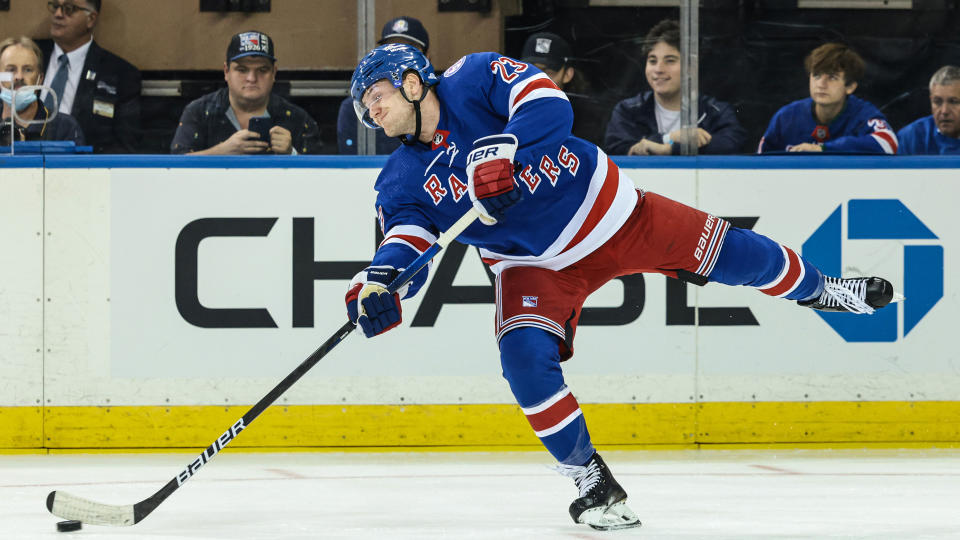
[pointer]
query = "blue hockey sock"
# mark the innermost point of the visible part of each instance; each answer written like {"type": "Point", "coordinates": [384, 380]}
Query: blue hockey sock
{"type": "Point", "coordinates": [751, 259]}
{"type": "Point", "coordinates": [531, 364]}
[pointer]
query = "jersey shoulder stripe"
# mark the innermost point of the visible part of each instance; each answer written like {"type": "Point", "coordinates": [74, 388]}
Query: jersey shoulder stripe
{"type": "Point", "coordinates": [536, 87]}
{"type": "Point", "coordinates": [418, 238]}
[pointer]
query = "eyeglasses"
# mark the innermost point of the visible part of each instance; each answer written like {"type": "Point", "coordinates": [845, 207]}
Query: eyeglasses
{"type": "Point", "coordinates": [68, 9]}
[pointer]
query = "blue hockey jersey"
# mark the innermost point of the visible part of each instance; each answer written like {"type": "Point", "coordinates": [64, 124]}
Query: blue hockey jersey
{"type": "Point", "coordinates": [859, 128]}
{"type": "Point", "coordinates": [922, 137]}
{"type": "Point", "coordinates": [574, 196]}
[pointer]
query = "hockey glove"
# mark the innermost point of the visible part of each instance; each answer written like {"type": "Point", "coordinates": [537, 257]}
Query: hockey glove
{"type": "Point", "coordinates": [368, 302]}
{"type": "Point", "coordinates": [490, 176]}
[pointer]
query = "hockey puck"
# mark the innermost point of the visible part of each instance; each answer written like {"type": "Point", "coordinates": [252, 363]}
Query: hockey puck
{"type": "Point", "coordinates": [70, 525]}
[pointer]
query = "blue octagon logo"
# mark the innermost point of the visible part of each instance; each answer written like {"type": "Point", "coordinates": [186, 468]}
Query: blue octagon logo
{"type": "Point", "coordinates": [880, 219]}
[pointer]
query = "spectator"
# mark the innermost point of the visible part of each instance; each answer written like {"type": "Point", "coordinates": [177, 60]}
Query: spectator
{"type": "Point", "coordinates": [98, 88]}
{"type": "Point", "coordinates": [938, 133]}
{"type": "Point", "coordinates": [22, 58]}
{"type": "Point", "coordinates": [408, 31]}
{"type": "Point", "coordinates": [218, 122]}
{"type": "Point", "coordinates": [553, 55]}
{"type": "Point", "coordinates": [649, 123]}
{"type": "Point", "coordinates": [832, 119]}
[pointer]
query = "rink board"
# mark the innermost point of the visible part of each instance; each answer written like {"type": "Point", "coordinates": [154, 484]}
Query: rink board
{"type": "Point", "coordinates": [113, 358]}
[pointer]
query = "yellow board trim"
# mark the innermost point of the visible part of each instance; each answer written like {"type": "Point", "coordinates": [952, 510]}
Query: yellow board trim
{"type": "Point", "coordinates": [21, 427]}
{"type": "Point", "coordinates": [488, 427]}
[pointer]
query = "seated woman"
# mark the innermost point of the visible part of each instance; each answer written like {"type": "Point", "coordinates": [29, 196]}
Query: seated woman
{"type": "Point", "coordinates": [22, 58]}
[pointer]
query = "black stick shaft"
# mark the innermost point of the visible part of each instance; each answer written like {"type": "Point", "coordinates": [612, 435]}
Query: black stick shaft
{"type": "Point", "coordinates": [143, 508]}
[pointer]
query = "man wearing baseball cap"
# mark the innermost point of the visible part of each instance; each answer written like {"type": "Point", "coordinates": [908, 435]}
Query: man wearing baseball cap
{"type": "Point", "coordinates": [220, 122]}
{"type": "Point", "coordinates": [408, 31]}
{"type": "Point", "coordinates": [552, 54]}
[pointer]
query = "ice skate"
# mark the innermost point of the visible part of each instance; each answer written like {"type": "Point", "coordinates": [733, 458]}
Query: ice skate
{"type": "Point", "coordinates": [602, 503]}
{"type": "Point", "coordinates": [855, 295]}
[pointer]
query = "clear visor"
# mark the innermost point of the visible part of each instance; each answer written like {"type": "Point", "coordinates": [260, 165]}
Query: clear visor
{"type": "Point", "coordinates": [363, 114]}
{"type": "Point", "coordinates": [371, 98]}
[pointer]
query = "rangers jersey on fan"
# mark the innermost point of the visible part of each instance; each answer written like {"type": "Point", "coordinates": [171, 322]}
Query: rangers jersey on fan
{"type": "Point", "coordinates": [922, 137]}
{"type": "Point", "coordinates": [859, 128]}
{"type": "Point", "coordinates": [574, 197]}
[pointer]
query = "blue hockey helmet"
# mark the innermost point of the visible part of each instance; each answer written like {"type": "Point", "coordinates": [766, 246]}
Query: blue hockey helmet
{"type": "Point", "coordinates": [389, 62]}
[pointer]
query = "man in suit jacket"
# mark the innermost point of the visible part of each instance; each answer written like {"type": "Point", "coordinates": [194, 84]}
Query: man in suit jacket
{"type": "Point", "coordinates": [98, 88]}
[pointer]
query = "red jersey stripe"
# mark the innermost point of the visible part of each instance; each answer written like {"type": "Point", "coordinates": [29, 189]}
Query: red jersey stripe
{"type": "Point", "coordinates": [417, 242]}
{"type": "Point", "coordinates": [539, 83]}
{"type": "Point", "coordinates": [794, 267]}
{"type": "Point", "coordinates": [604, 199]}
{"type": "Point", "coordinates": [885, 135]}
{"type": "Point", "coordinates": [553, 415]}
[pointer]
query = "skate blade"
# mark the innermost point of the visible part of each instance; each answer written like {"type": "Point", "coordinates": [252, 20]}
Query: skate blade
{"type": "Point", "coordinates": [897, 297]}
{"type": "Point", "coordinates": [614, 517]}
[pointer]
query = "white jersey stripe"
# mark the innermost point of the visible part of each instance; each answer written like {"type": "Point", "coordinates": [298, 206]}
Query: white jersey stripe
{"type": "Point", "coordinates": [547, 403]}
{"type": "Point", "coordinates": [713, 250]}
{"type": "Point", "coordinates": [554, 258]}
{"type": "Point", "coordinates": [395, 240]}
{"type": "Point", "coordinates": [539, 318]}
{"type": "Point", "coordinates": [781, 275]}
{"type": "Point", "coordinates": [716, 255]}
{"type": "Point", "coordinates": [803, 272]}
{"type": "Point", "coordinates": [519, 87]}
{"type": "Point", "coordinates": [538, 94]}
{"type": "Point", "coordinates": [884, 143]}
{"type": "Point", "coordinates": [412, 230]}
{"type": "Point", "coordinates": [550, 329]}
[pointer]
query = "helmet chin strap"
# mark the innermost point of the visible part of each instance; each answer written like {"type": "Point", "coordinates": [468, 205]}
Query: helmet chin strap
{"type": "Point", "coordinates": [407, 139]}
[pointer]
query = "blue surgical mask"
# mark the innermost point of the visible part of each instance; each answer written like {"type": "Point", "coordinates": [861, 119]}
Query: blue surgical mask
{"type": "Point", "coordinates": [23, 99]}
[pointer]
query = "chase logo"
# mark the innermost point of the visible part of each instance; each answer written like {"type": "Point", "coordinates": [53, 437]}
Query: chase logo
{"type": "Point", "coordinates": [880, 219]}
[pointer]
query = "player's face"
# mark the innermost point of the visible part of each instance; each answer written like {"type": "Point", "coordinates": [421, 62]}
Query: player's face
{"type": "Point", "coordinates": [22, 63]}
{"type": "Point", "coordinates": [250, 79]}
{"type": "Point", "coordinates": [663, 70]}
{"type": "Point", "coordinates": [830, 88]}
{"type": "Point", "coordinates": [945, 107]}
{"type": "Point", "coordinates": [388, 109]}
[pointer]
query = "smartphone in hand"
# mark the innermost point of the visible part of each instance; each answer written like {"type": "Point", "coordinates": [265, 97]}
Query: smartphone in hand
{"type": "Point", "coordinates": [261, 125]}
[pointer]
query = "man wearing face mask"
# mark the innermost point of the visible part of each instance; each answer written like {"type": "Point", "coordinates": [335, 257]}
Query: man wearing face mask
{"type": "Point", "coordinates": [21, 58]}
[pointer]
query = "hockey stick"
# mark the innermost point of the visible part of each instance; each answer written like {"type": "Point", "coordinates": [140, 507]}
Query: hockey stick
{"type": "Point", "coordinates": [67, 506]}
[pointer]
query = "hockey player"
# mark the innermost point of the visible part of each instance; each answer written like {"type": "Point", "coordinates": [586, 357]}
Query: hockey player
{"type": "Point", "coordinates": [558, 221]}
{"type": "Point", "coordinates": [832, 119]}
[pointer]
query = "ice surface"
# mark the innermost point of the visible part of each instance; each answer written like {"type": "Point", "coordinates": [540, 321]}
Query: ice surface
{"type": "Point", "coordinates": [715, 494]}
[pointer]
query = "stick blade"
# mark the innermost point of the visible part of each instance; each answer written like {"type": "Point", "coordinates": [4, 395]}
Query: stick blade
{"type": "Point", "coordinates": [67, 506]}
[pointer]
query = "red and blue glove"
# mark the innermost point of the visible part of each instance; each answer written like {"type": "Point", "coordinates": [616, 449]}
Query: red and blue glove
{"type": "Point", "coordinates": [490, 176]}
{"type": "Point", "coordinates": [369, 304]}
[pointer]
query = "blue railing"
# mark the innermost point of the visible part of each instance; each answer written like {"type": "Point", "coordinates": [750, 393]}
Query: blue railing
{"type": "Point", "coordinates": [160, 161]}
